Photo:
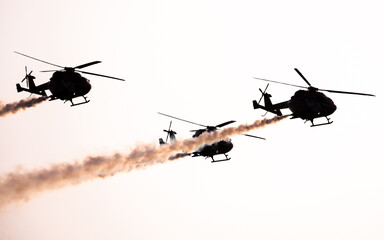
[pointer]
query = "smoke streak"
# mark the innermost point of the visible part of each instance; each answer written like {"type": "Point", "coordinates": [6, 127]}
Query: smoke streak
{"type": "Point", "coordinates": [19, 105]}
{"type": "Point", "coordinates": [17, 186]}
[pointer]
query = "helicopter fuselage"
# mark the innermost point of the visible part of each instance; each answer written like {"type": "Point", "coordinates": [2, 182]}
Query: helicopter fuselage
{"type": "Point", "coordinates": [310, 104]}
{"type": "Point", "coordinates": [219, 147]}
{"type": "Point", "coordinates": [67, 85]}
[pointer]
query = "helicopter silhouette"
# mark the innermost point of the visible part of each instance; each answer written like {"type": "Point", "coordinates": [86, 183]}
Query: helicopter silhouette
{"type": "Point", "coordinates": [65, 84]}
{"type": "Point", "coordinates": [208, 150]}
{"type": "Point", "coordinates": [305, 104]}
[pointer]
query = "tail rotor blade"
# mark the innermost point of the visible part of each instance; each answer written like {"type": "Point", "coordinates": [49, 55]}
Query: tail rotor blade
{"type": "Point", "coordinates": [26, 74]}
{"type": "Point", "coordinates": [168, 132]}
{"type": "Point", "coordinates": [28, 77]}
{"type": "Point", "coordinates": [263, 93]}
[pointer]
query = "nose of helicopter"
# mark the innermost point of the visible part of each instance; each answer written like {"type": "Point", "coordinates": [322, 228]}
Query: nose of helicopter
{"type": "Point", "coordinates": [226, 145]}
{"type": "Point", "coordinates": [330, 107]}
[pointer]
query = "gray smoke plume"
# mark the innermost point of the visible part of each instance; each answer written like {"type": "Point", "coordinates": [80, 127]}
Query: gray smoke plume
{"type": "Point", "coordinates": [19, 105]}
{"type": "Point", "coordinates": [17, 186]}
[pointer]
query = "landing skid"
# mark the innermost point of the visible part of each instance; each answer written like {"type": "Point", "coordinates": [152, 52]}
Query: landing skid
{"type": "Point", "coordinates": [76, 104]}
{"type": "Point", "coordinates": [321, 124]}
{"type": "Point", "coordinates": [221, 160]}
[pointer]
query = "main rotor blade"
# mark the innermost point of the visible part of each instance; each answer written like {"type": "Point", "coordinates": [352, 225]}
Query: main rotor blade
{"type": "Point", "coordinates": [182, 119]}
{"type": "Point", "coordinates": [100, 75]}
{"type": "Point", "coordinates": [39, 60]}
{"type": "Point", "coordinates": [88, 64]}
{"type": "Point", "coordinates": [302, 76]}
{"type": "Point", "coordinates": [223, 124]}
{"type": "Point", "coordinates": [204, 129]}
{"type": "Point", "coordinates": [279, 82]}
{"type": "Point", "coordinates": [248, 135]}
{"type": "Point", "coordinates": [344, 92]}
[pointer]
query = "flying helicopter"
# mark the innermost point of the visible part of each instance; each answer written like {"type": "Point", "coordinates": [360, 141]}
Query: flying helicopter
{"type": "Point", "coordinates": [209, 150]}
{"type": "Point", "coordinates": [65, 84]}
{"type": "Point", "coordinates": [305, 104]}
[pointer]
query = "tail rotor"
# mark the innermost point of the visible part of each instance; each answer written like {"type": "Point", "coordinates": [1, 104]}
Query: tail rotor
{"type": "Point", "coordinates": [170, 134]}
{"type": "Point", "coordinates": [28, 77]}
{"type": "Point", "coordinates": [263, 94]}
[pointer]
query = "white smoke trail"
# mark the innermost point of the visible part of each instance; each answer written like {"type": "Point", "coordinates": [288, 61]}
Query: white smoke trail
{"type": "Point", "coordinates": [18, 186]}
{"type": "Point", "coordinates": [19, 105]}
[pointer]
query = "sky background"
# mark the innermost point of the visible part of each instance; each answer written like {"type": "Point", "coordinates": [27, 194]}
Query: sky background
{"type": "Point", "coordinates": [195, 60]}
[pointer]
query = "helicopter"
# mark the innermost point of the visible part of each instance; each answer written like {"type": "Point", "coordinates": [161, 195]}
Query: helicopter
{"type": "Point", "coordinates": [209, 150]}
{"type": "Point", "coordinates": [305, 104]}
{"type": "Point", "coordinates": [65, 84]}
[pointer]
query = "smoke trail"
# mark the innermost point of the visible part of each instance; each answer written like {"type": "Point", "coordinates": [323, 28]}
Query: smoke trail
{"type": "Point", "coordinates": [20, 105]}
{"type": "Point", "coordinates": [17, 186]}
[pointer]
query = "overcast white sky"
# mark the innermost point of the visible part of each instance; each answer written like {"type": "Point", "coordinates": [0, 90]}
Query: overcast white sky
{"type": "Point", "coordinates": [196, 60]}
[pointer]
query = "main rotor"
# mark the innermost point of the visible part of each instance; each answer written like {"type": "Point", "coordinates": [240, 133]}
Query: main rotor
{"type": "Point", "coordinates": [72, 69]}
{"type": "Point", "coordinates": [207, 128]}
{"type": "Point", "coordinates": [311, 88]}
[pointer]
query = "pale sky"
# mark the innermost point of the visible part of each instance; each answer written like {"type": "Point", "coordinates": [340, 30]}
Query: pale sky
{"type": "Point", "coordinates": [196, 60]}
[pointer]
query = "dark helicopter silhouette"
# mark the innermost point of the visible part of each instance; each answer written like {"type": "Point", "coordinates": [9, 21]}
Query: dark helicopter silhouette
{"type": "Point", "coordinates": [65, 84]}
{"type": "Point", "coordinates": [305, 104]}
{"type": "Point", "coordinates": [208, 150]}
